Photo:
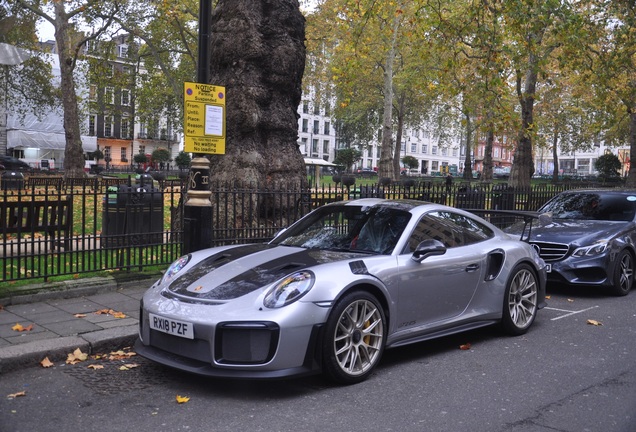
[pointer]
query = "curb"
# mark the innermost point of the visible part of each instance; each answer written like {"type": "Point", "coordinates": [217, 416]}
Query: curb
{"type": "Point", "coordinates": [57, 349]}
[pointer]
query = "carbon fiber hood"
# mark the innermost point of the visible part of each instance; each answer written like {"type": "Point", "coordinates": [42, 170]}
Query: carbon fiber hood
{"type": "Point", "coordinates": [238, 271]}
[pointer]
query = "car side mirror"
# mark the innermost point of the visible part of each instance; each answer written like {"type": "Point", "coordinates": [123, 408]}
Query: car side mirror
{"type": "Point", "coordinates": [428, 248]}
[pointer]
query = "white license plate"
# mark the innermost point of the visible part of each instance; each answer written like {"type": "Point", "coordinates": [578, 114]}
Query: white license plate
{"type": "Point", "coordinates": [171, 326]}
{"type": "Point", "coordinates": [548, 268]}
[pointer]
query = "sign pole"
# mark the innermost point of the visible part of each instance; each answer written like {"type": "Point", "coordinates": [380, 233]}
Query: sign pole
{"type": "Point", "coordinates": [197, 217]}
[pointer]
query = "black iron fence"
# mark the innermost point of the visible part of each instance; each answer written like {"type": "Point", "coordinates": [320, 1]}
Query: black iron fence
{"type": "Point", "coordinates": [52, 226]}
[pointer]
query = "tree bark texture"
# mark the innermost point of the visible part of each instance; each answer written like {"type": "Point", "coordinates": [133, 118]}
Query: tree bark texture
{"type": "Point", "coordinates": [523, 164]}
{"type": "Point", "coordinates": [257, 52]}
{"type": "Point", "coordinates": [631, 175]}
{"type": "Point", "coordinates": [73, 152]}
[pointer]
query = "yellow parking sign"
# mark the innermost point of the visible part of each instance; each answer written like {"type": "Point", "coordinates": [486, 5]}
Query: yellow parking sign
{"type": "Point", "coordinates": [204, 118]}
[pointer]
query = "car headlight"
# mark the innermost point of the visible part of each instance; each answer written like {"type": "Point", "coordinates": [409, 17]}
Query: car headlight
{"type": "Point", "coordinates": [289, 289]}
{"type": "Point", "coordinates": [595, 249]}
{"type": "Point", "coordinates": [175, 268]}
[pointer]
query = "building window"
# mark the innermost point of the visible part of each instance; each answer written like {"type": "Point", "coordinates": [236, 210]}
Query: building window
{"type": "Point", "coordinates": [444, 151]}
{"type": "Point", "coordinates": [434, 150]}
{"type": "Point", "coordinates": [316, 127]}
{"type": "Point", "coordinates": [123, 155]}
{"type": "Point", "coordinates": [107, 155]}
{"type": "Point", "coordinates": [413, 148]}
{"type": "Point", "coordinates": [325, 147]}
{"type": "Point", "coordinates": [327, 128]}
{"type": "Point", "coordinates": [125, 97]}
{"type": "Point", "coordinates": [305, 107]}
{"type": "Point", "coordinates": [316, 109]}
{"type": "Point", "coordinates": [125, 127]}
{"type": "Point", "coordinates": [455, 152]}
{"type": "Point", "coordinates": [122, 51]}
{"type": "Point", "coordinates": [314, 148]}
{"type": "Point", "coordinates": [92, 125]}
{"type": "Point", "coordinates": [304, 148]}
{"type": "Point", "coordinates": [142, 149]}
{"type": "Point", "coordinates": [424, 148]}
{"type": "Point", "coordinates": [108, 126]}
{"type": "Point", "coordinates": [110, 69]}
{"type": "Point", "coordinates": [109, 95]}
{"type": "Point", "coordinates": [305, 125]}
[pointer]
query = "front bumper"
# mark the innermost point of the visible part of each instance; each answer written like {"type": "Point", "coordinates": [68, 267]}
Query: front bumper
{"type": "Point", "coordinates": [594, 271]}
{"type": "Point", "coordinates": [265, 343]}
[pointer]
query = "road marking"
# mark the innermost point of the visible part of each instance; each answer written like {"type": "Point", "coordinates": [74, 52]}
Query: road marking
{"type": "Point", "coordinates": [570, 313]}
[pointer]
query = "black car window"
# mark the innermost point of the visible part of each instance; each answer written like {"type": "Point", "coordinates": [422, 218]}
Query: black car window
{"type": "Point", "coordinates": [592, 206]}
{"type": "Point", "coordinates": [355, 228]}
{"type": "Point", "coordinates": [452, 229]}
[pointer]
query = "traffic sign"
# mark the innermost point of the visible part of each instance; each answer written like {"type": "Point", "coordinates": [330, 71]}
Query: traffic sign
{"type": "Point", "coordinates": [204, 118]}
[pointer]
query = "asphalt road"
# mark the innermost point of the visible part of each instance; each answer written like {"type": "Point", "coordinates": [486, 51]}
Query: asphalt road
{"type": "Point", "coordinates": [564, 375]}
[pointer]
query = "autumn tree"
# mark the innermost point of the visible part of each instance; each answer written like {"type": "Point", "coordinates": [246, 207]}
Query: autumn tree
{"type": "Point", "coordinates": [66, 16]}
{"type": "Point", "coordinates": [608, 65]}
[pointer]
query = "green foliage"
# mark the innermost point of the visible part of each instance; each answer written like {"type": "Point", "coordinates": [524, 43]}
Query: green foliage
{"type": "Point", "coordinates": [347, 157]}
{"type": "Point", "coordinates": [183, 160]}
{"type": "Point", "coordinates": [410, 161]}
{"type": "Point", "coordinates": [161, 155]}
{"type": "Point", "coordinates": [140, 158]}
{"type": "Point", "coordinates": [608, 165]}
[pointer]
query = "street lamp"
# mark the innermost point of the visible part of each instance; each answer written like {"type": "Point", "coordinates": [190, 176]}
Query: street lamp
{"type": "Point", "coordinates": [197, 210]}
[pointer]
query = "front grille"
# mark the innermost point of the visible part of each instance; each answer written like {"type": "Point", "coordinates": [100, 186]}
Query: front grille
{"type": "Point", "coordinates": [197, 349]}
{"type": "Point", "coordinates": [246, 343]}
{"type": "Point", "coordinates": [551, 251]}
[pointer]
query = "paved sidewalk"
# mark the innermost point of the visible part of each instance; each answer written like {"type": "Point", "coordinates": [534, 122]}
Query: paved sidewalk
{"type": "Point", "coordinates": [95, 315]}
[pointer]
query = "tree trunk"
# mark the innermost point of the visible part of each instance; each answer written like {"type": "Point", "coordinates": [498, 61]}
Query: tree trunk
{"type": "Point", "coordinates": [258, 54]}
{"type": "Point", "coordinates": [398, 137]}
{"type": "Point", "coordinates": [468, 170]}
{"type": "Point", "coordinates": [73, 152]}
{"type": "Point", "coordinates": [555, 156]}
{"type": "Point", "coordinates": [486, 172]}
{"type": "Point", "coordinates": [386, 168]}
{"type": "Point", "coordinates": [523, 164]}
{"type": "Point", "coordinates": [631, 176]}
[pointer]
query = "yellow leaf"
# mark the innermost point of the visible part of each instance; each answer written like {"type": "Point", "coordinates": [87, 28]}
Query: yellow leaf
{"type": "Point", "coordinates": [118, 315]}
{"type": "Point", "coordinates": [594, 322]}
{"type": "Point", "coordinates": [182, 399]}
{"type": "Point", "coordinates": [19, 328]}
{"type": "Point", "coordinates": [46, 362]}
{"type": "Point", "coordinates": [131, 365]}
{"type": "Point", "coordinates": [123, 368]}
{"type": "Point", "coordinates": [95, 366]}
{"type": "Point", "coordinates": [15, 395]}
{"type": "Point", "coordinates": [76, 357]}
{"type": "Point", "coordinates": [548, 297]}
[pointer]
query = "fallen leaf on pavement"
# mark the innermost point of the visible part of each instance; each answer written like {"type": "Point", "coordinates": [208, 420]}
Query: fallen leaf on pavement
{"type": "Point", "coordinates": [594, 322]}
{"type": "Point", "coordinates": [465, 347]}
{"type": "Point", "coordinates": [96, 366]}
{"type": "Point", "coordinates": [46, 362]}
{"type": "Point", "coordinates": [79, 315]}
{"type": "Point", "coordinates": [76, 357]}
{"type": "Point", "coordinates": [121, 355]}
{"type": "Point", "coordinates": [15, 395]}
{"type": "Point", "coordinates": [18, 327]}
{"type": "Point", "coordinates": [182, 399]}
{"type": "Point", "coordinates": [111, 312]}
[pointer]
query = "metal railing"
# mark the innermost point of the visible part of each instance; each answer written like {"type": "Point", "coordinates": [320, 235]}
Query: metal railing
{"type": "Point", "coordinates": [120, 224]}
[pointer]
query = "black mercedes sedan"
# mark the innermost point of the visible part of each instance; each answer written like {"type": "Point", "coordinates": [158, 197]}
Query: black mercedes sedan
{"type": "Point", "coordinates": [588, 238]}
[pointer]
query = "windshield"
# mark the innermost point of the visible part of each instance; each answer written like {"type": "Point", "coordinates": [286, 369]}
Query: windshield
{"type": "Point", "coordinates": [348, 228]}
{"type": "Point", "coordinates": [591, 206]}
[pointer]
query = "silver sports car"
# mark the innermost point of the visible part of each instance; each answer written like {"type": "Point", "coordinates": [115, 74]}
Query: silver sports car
{"type": "Point", "coordinates": [336, 288]}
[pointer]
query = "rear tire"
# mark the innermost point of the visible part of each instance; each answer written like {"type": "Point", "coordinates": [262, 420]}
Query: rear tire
{"type": "Point", "coordinates": [520, 300]}
{"type": "Point", "coordinates": [354, 338]}
{"type": "Point", "coordinates": [623, 274]}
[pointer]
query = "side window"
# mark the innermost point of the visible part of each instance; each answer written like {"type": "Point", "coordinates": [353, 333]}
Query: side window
{"type": "Point", "coordinates": [433, 226]}
{"type": "Point", "coordinates": [450, 228]}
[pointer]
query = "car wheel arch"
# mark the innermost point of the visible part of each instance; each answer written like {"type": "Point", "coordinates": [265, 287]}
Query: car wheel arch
{"type": "Point", "coordinates": [378, 293]}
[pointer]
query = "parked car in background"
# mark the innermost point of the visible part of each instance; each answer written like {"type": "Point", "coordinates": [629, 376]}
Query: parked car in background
{"type": "Point", "coordinates": [588, 237]}
{"type": "Point", "coordinates": [11, 163]}
{"type": "Point", "coordinates": [337, 288]}
{"type": "Point", "coordinates": [367, 172]}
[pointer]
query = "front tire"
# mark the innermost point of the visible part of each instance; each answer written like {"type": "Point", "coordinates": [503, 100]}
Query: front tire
{"type": "Point", "coordinates": [354, 338]}
{"type": "Point", "coordinates": [520, 301]}
{"type": "Point", "coordinates": [623, 274]}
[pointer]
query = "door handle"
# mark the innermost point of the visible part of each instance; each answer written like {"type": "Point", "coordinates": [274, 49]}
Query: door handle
{"type": "Point", "coordinates": [472, 267]}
